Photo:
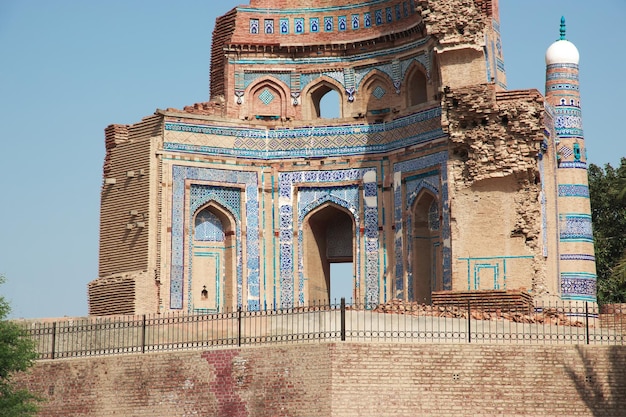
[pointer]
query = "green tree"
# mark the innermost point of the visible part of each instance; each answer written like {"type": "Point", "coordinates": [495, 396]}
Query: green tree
{"type": "Point", "coordinates": [17, 354]}
{"type": "Point", "coordinates": [607, 189]}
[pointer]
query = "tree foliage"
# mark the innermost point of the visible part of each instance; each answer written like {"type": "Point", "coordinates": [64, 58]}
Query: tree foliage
{"type": "Point", "coordinates": [17, 354]}
{"type": "Point", "coordinates": [607, 189]}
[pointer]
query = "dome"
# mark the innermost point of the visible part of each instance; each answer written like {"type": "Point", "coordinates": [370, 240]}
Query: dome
{"type": "Point", "coordinates": [562, 52]}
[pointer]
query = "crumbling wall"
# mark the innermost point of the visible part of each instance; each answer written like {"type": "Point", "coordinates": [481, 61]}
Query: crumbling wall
{"type": "Point", "coordinates": [454, 22]}
{"type": "Point", "coordinates": [493, 135]}
{"type": "Point", "coordinates": [495, 184]}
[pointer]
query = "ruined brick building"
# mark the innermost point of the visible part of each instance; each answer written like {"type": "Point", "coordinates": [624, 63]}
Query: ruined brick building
{"type": "Point", "coordinates": [432, 176]}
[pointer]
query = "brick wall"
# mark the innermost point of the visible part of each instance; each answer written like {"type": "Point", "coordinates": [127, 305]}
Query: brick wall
{"type": "Point", "coordinates": [340, 379]}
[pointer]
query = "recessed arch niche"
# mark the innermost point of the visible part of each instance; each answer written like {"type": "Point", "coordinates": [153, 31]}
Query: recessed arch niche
{"type": "Point", "coordinates": [213, 272]}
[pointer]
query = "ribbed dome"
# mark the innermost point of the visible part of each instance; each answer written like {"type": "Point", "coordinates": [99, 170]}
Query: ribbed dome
{"type": "Point", "coordinates": [562, 52]}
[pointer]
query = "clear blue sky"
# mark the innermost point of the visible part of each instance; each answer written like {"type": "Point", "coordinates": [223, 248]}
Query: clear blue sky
{"type": "Point", "coordinates": [70, 68]}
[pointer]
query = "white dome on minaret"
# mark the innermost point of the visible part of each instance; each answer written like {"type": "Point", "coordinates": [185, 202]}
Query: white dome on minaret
{"type": "Point", "coordinates": [562, 51]}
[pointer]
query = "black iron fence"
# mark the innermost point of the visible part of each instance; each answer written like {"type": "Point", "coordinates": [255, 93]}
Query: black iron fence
{"type": "Point", "coordinates": [575, 323]}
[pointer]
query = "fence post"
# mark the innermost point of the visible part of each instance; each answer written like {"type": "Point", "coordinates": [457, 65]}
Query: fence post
{"type": "Point", "coordinates": [469, 322]}
{"type": "Point", "coordinates": [343, 318]}
{"type": "Point", "coordinates": [587, 321]}
{"type": "Point", "coordinates": [54, 338]}
{"type": "Point", "coordinates": [143, 334]}
{"type": "Point", "coordinates": [238, 325]}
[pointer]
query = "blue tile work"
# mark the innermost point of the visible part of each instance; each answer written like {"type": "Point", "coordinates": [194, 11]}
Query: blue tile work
{"type": "Point", "coordinates": [367, 19]}
{"type": "Point", "coordinates": [568, 122]}
{"type": "Point", "coordinates": [345, 196]}
{"type": "Point", "coordinates": [329, 23]}
{"type": "Point", "coordinates": [544, 209]}
{"type": "Point", "coordinates": [266, 96]}
{"type": "Point", "coordinates": [398, 11]}
{"type": "Point", "coordinates": [412, 189]}
{"type": "Point", "coordinates": [576, 228]}
{"type": "Point", "coordinates": [436, 162]}
{"type": "Point", "coordinates": [314, 24]}
{"type": "Point", "coordinates": [573, 164]}
{"type": "Point", "coordinates": [342, 23]}
{"type": "Point", "coordinates": [379, 17]}
{"type": "Point", "coordinates": [578, 286]}
{"type": "Point", "coordinates": [208, 228]}
{"type": "Point", "coordinates": [269, 26]}
{"type": "Point", "coordinates": [573, 190]}
{"type": "Point", "coordinates": [424, 60]}
{"type": "Point", "coordinates": [355, 21]}
{"type": "Point", "coordinates": [577, 257]}
{"type": "Point", "coordinates": [224, 196]}
{"type": "Point", "coordinates": [298, 25]}
{"type": "Point", "coordinates": [318, 141]}
{"type": "Point", "coordinates": [251, 77]}
{"type": "Point", "coordinates": [284, 26]}
{"type": "Point", "coordinates": [230, 199]}
{"type": "Point", "coordinates": [254, 26]}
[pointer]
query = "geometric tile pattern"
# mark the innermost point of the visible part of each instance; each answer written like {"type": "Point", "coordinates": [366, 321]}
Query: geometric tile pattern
{"type": "Point", "coordinates": [576, 228]}
{"type": "Point", "coordinates": [306, 142]}
{"type": "Point", "coordinates": [266, 96]}
{"type": "Point", "coordinates": [225, 197]}
{"type": "Point", "coordinates": [378, 92]}
{"type": "Point", "coordinates": [574, 190]}
{"type": "Point", "coordinates": [310, 197]}
{"type": "Point", "coordinates": [577, 257]}
{"type": "Point", "coordinates": [208, 227]}
{"type": "Point", "coordinates": [578, 286]}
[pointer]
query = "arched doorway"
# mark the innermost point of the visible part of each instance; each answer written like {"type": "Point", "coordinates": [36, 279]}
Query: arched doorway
{"type": "Point", "coordinates": [426, 259]}
{"type": "Point", "coordinates": [213, 269]}
{"type": "Point", "coordinates": [328, 239]}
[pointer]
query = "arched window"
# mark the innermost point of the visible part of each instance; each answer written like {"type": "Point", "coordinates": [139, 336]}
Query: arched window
{"type": "Point", "coordinates": [329, 106]}
{"type": "Point", "coordinates": [416, 87]}
{"type": "Point", "coordinates": [324, 101]}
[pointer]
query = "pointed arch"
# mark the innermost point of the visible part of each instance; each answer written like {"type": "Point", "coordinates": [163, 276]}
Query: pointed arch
{"type": "Point", "coordinates": [328, 236]}
{"type": "Point", "coordinates": [377, 95]}
{"type": "Point", "coordinates": [213, 267]}
{"type": "Point", "coordinates": [267, 99]}
{"type": "Point", "coordinates": [314, 92]}
{"type": "Point", "coordinates": [426, 257]}
{"type": "Point", "coordinates": [416, 85]}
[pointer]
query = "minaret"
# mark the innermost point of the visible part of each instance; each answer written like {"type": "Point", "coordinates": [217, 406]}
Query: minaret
{"type": "Point", "coordinates": [576, 253]}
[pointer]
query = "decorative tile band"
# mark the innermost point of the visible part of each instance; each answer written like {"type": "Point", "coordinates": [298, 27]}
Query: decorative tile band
{"type": "Point", "coordinates": [576, 228]}
{"type": "Point", "coordinates": [574, 190]}
{"type": "Point", "coordinates": [578, 286]}
{"type": "Point", "coordinates": [573, 164]}
{"type": "Point", "coordinates": [314, 141]}
{"type": "Point", "coordinates": [411, 47]}
{"type": "Point", "coordinates": [577, 257]}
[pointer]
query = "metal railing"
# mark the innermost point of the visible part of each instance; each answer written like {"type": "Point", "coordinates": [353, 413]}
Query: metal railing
{"type": "Point", "coordinates": [575, 323]}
